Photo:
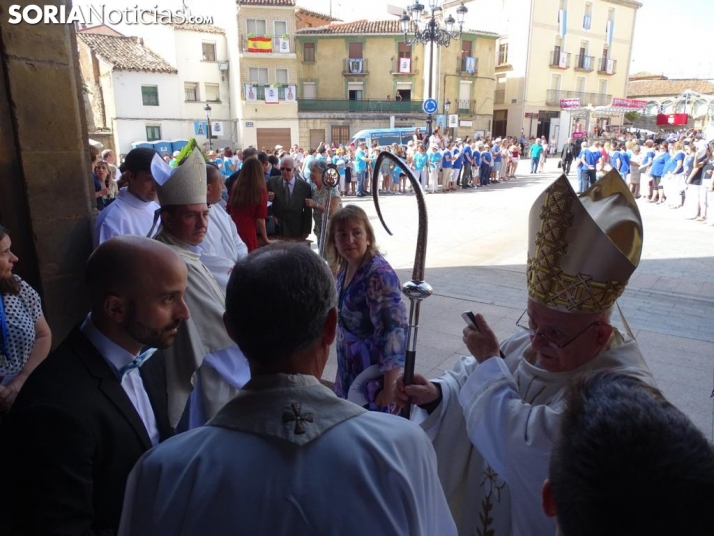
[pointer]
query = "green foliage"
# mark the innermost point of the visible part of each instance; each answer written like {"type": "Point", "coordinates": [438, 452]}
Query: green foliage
{"type": "Point", "coordinates": [632, 116]}
{"type": "Point", "coordinates": [187, 150]}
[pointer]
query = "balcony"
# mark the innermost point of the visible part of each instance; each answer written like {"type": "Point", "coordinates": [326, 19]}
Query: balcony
{"type": "Point", "coordinates": [266, 44]}
{"type": "Point", "coordinates": [260, 91]}
{"type": "Point", "coordinates": [607, 66]}
{"type": "Point", "coordinates": [559, 59]}
{"type": "Point", "coordinates": [467, 66]}
{"type": "Point", "coordinates": [554, 96]}
{"type": "Point", "coordinates": [400, 67]}
{"type": "Point", "coordinates": [364, 106]}
{"type": "Point", "coordinates": [466, 106]}
{"type": "Point", "coordinates": [354, 67]}
{"type": "Point", "coordinates": [584, 63]}
{"type": "Point", "coordinates": [499, 96]}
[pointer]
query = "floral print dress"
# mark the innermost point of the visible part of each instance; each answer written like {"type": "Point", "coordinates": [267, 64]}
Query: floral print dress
{"type": "Point", "coordinates": [372, 327]}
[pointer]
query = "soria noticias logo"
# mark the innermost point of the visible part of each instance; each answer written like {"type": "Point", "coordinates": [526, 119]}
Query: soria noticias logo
{"type": "Point", "coordinates": [100, 14]}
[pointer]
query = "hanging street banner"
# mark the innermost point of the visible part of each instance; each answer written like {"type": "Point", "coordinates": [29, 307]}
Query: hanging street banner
{"type": "Point", "coordinates": [568, 104]}
{"type": "Point", "coordinates": [271, 95]}
{"type": "Point", "coordinates": [631, 104]}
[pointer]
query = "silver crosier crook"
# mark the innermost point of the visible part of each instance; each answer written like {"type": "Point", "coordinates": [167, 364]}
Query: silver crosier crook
{"type": "Point", "coordinates": [417, 290]}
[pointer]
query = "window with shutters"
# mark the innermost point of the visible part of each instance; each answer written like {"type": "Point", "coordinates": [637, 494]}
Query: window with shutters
{"type": "Point", "coordinates": [209, 51]}
{"type": "Point", "coordinates": [308, 52]}
{"type": "Point", "coordinates": [190, 91]}
{"type": "Point", "coordinates": [213, 92]}
{"type": "Point", "coordinates": [502, 54]}
{"type": "Point", "coordinates": [256, 26]}
{"type": "Point", "coordinates": [355, 50]}
{"type": "Point", "coordinates": [281, 76]}
{"type": "Point", "coordinates": [309, 90]}
{"type": "Point", "coordinates": [258, 75]}
{"type": "Point", "coordinates": [153, 132]}
{"type": "Point", "coordinates": [150, 95]}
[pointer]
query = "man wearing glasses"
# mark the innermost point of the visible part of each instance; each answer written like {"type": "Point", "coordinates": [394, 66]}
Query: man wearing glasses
{"type": "Point", "coordinates": [288, 194]}
{"type": "Point", "coordinates": [494, 417]}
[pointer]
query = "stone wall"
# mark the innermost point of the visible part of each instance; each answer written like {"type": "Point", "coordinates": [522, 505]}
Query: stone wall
{"type": "Point", "coordinates": [46, 195]}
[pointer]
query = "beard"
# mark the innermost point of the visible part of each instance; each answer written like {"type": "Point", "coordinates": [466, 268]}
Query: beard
{"type": "Point", "coordinates": [158, 338]}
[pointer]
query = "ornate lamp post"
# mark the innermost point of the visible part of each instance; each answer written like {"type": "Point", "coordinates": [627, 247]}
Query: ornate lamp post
{"type": "Point", "coordinates": [431, 33]}
{"type": "Point", "coordinates": [447, 107]}
{"type": "Point", "coordinates": [207, 110]}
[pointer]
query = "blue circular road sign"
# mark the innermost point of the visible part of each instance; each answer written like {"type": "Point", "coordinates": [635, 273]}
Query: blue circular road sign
{"type": "Point", "coordinates": [430, 106]}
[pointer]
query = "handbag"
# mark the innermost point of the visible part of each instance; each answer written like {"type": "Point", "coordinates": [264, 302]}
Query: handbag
{"type": "Point", "coordinates": [560, 164]}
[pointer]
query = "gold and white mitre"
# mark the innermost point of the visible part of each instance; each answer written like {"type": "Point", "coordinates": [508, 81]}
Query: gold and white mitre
{"type": "Point", "coordinates": [182, 185]}
{"type": "Point", "coordinates": [583, 249]}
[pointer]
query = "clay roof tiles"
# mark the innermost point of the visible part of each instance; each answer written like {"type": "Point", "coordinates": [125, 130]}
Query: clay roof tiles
{"type": "Point", "coordinates": [315, 14]}
{"type": "Point", "coordinates": [203, 28]}
{"type": "Point", "coordinates": [665, 87]}
{"type": "Point", "coordinates": [126, 53]}
{"type": "Point", "coordinates": [384, 27]}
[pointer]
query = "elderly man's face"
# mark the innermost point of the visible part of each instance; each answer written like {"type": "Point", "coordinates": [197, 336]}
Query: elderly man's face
{"type": "Point", "coordinates": [287, 169]}
{"type": "Point", "coordinates": [581, 336]}
{"type": "Point", "coordinates": [188, 223]}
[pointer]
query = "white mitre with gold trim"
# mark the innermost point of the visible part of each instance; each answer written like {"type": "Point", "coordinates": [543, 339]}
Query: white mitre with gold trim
{"type": "Point", "coordinates": [183, 185]}
{"type": "Point", "coordinates": [583, 249]}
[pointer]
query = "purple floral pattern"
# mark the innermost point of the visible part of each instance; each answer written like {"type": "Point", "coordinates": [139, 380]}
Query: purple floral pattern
{"type": "Point", "coordinates": [372, 326]}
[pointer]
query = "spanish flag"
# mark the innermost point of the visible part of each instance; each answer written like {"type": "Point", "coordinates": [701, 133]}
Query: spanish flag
{"type": "Point", "coordinates": [260, 44]}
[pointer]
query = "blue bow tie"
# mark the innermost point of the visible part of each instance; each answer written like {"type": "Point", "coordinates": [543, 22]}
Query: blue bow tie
{"type": "Point", "coordinates": [140, 360]}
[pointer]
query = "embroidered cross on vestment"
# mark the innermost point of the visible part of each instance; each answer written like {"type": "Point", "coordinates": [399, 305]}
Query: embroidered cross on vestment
{"type": "Point", "coordinates": [299, 418]}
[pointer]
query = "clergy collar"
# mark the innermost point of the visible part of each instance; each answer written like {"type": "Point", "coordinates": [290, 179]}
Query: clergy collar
{"type": "Point", "coordinates": [116, 356]}
{"type": "Point", "coordinates": [291, 407]}
{"type": "Point", "coordinates": [126, 195]}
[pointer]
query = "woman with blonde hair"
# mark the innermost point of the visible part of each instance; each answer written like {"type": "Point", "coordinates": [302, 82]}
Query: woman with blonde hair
{"type": "Point", "coordinates": [372, 321]}
{"type": "Point", "coordinates": [248, 204]}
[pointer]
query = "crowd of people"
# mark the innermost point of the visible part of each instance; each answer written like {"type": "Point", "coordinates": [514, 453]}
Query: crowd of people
{"type": "Point", "coordinates": [211, 322]}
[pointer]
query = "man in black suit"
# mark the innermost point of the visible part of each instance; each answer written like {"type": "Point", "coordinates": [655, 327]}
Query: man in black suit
{"type": "Point", "coordinates": [288, 194]}
{"type": "Point", "coordinates": [570, 152]}
{"type": "Point", "coordinates": [88, 412]}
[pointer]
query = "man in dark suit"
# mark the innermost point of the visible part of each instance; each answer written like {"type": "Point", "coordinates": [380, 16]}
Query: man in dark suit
{"type": "Point", "coordinates": [288, 194]}
{"type": "Point", "coordinates": [88, 412]}
{"type": "Point", "coordinates": [570, 152]}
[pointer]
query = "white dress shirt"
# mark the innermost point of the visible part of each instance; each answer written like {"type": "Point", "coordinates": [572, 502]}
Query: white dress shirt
{"type": "Point", "coordinates": [117, 358]}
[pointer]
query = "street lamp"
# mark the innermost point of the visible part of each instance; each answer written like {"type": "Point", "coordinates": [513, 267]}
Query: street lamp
{"type": "Point", "coordinates": [207, 110]}
{"type": "Point", "coordinates": [432, 33]}
{"type": "Point", "coordinates": [447, 105]}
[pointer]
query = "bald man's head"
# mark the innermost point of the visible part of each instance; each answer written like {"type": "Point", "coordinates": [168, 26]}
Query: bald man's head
{"type": "Point", "coordinates": [136, 286]}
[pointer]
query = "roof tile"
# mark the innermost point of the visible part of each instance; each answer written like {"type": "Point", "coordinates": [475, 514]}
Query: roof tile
{"type": "Point", "coordinates": [665, 87]}
{"type": "Point", "coordinates": [203, 28]}
{"type": "Point", "coordinates": [384, 27]}
{"type": "Point", "coordinates": [315, 14]}
{"type": "Point", "coordinates": [126, 53]}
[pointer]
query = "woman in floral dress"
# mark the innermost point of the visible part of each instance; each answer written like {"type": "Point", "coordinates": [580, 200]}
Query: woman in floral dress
{"type": "Point", "coordinates": [372, 329]}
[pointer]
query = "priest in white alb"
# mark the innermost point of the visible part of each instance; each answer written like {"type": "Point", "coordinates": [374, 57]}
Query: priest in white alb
{"type": "Point", "coordinates": [205, 368]}
{"type": "Point", "coordinates": [287, 456]}
{"type": "Point", "coordinates": [494, 417]}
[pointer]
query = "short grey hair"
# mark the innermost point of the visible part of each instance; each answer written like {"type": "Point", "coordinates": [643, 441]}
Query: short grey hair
{"type": "Point", "coordinates": [321, 165]}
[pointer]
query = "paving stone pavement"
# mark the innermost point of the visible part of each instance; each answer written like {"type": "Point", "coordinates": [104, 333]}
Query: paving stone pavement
{"type": "Point", "coordinates": [476, 261]}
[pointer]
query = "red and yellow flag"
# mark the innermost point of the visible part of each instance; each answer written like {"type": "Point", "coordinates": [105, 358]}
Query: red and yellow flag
{"type": "Point", "coordinates": [260, 44]}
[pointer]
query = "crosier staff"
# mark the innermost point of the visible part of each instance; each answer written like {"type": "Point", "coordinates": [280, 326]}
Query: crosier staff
{"type": "Point", "coordinates": [417, 289]}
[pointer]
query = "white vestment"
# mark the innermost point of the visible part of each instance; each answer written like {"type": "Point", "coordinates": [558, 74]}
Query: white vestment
{"type": "Point", "coordinates": [203, 357]}
{"type": "Point", "coordinates": [127, 215]}
{"type": "Point", "coordinates": [222, 246]}
{"type": "Point", "coordinates": [286, 456]}
{"type": "Point", "coordinates": [494, 430]}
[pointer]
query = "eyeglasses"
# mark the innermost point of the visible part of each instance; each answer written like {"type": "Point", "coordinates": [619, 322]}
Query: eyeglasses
{"type": "Point", "coordinates": [524, 321]}
{"type": "Point", "coordinates": [286, 169]}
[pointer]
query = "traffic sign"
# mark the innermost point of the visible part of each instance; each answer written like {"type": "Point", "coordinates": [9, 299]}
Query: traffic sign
{"type": "Point", "coordinates": [430, 106]}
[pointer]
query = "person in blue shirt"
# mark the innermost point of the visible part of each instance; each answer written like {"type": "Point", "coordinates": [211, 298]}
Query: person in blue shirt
{"type": "Point", "coordinates": [646, 166]}
{"type": "Point", "coordinates": [361, 161]}
{"type": "Point", "coordinates": [621, 161]}
{"type": "Point", "coordinates": [497, 158]}
{"type": "Point", "coordinates": [536, 150]}
{"type": "Point", "coordinates": [673, 178]}
{"type": "Point", "coordinates": [659, 162]}
{"type": "Point", "coordinates": [467, 163]}
{"type": "Point", "coordinates": [589, 157]}
{"type": "Point", "coordinates": [486, 165]}
{"type": "Point", "coordinates": [419, 162]}
{"type": "Point", "coordinates": [446, 167]}
{"type": "Point", "coordinates": [476, 161]}
{"type": "Point", "coordinates": [434, 166]}
{"type": "Point", "coordinates": [457, 162]}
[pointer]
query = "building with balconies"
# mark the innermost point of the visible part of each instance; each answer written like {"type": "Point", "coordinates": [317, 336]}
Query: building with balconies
{"type": "Point", "coordinates": [361, 75]}
{"type": "Point", "coordinates": [559, 49]}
